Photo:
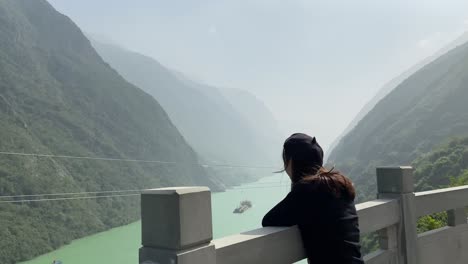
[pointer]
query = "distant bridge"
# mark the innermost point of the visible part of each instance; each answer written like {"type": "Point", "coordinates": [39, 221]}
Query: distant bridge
{"type": "Point", "coordinates": [177, 228]}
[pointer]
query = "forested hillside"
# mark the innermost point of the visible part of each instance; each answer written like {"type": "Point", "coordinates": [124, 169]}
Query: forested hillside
{"type": "Point", "coordinates": [392, 84]}
{"type": "Point", "coordinates": [446, 165]}
{"type": "Point", "coordinates": [58, 97]}
{"type": "Point", "coordinates": [423, 111]}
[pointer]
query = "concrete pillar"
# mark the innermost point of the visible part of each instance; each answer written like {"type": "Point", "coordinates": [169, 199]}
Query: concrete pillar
{"type": "Point", "coordinates": [388, 238]}
{"type": "Point", "coordinates": [176, 226]}
{"type": "Point", "coordinates": [397, 182]}
{"type": "Point", "coordinates": [456, 217]}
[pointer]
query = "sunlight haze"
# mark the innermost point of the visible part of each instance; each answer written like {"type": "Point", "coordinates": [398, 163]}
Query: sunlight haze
{"type": "Point", "coordinates": [163, 131]}
{"type": "Point", "coordinates": [314, 63]}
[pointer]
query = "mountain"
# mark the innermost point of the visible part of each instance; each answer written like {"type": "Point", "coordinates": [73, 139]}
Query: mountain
{"type": "Point", "coordinates": [58, 98]}
{"type": "Point", "coordinates": [420, 113]}
{"type": "Point", "coordinates": [392, 84]}
{"type": "Point", "coordinates": [444, 166]}
{"type": "Point", "coordinates": [252, 110]}
{"type": "Point", "coordinates": [260, 117]}
{"type": "Point", "coordinates": [219, 127]}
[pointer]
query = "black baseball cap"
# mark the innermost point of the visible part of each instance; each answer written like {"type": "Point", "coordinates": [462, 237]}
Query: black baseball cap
{"type": "Point", "coordinates": [302, 147]}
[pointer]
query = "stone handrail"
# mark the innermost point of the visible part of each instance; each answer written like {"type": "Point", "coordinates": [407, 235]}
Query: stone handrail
{"type": "Point", "coordinates": [440, 200]}
{"type": "Point", "coordinates": [177, 228]}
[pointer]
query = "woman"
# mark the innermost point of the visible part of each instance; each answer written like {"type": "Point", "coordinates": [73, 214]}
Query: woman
{"type": "Point", "coordinates": [321, 204]}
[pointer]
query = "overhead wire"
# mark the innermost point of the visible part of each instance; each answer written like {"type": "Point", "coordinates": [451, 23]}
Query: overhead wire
{"type": "Point", "coordinates": [68, 198]}
{"type": "Point", "coordinates": [8, 153]}
{"type": "Point", "coordinates": [13, 198]}
{"type": "Point", "coordinates": [249, 186]}
{"type": "Point", "coordinates": [66, 194]}
{"type": "Point", "coordinates": [116, 193]}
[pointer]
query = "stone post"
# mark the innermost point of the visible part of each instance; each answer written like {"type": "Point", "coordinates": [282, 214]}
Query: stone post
{"type": "Point", "coordinates": [176, 226]}
{"type": "Point", "coordinates": [397, 182]}
{"type": "Point", "coordinates": [456, 217]}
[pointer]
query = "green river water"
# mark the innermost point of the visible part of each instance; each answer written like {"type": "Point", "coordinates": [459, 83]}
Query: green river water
{"type": "Point", "coordinates": [120, 245]}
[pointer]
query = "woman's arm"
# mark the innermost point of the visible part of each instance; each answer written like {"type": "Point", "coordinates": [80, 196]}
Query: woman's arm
{"type": "Point", "coordinates": [283, 214]}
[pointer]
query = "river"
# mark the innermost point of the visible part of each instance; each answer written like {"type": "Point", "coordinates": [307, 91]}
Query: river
{"type": "Point", "coordinates": [120, 245]}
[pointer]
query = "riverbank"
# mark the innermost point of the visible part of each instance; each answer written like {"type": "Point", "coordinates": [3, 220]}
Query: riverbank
{"type": "Point", "coordinates": [120, 245]}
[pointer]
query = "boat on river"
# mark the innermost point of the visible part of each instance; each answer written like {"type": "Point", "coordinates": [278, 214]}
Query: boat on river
{"type": "Point", "coordinates": [243, 206]}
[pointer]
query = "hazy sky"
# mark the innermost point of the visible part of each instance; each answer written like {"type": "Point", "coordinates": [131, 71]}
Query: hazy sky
{"type": "Point", "coordinates": [314, 63]}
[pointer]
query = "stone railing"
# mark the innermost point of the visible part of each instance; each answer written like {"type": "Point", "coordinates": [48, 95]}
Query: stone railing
{"type": "Point", "coordinates": [177, 227]}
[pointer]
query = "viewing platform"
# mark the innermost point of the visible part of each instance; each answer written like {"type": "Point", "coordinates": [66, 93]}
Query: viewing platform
{"type": "Point", "coordinates": [177, 228]}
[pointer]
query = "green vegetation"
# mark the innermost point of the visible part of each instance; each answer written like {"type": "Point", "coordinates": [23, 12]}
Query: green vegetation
{"type": "Point", "coordinates": [393, 83]}
{"type": "Point", "coordinates": [460, 180]}
{"type": "Point", "coordinates": [57, 96]}
{"type": "Point", "coordinates": [430, 222]}
{"type": "Point", "coordinates": [445, 166]}
{"type": "Point", "coordinates": [406, 126]}
{"type": "Point", "coordinates": [419, 114]}
{"type": "Point", "coordinates": [369, 243]}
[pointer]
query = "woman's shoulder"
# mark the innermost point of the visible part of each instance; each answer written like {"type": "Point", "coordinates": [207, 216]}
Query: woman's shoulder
{"type": "Point", "coordinates": [305, 188]}
{"type": "Point", "coordinates": [333, 186]}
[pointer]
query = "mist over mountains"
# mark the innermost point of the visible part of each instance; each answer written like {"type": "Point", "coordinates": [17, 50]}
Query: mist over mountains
{"type": "Point", "coordinates": [86, 115]}
{"type": "Point", "coordinates": [393, 83]}
{"type": "Point", "coordinates": [426, 109]}
{"type": "Point", "coordinates": [109, 120]}
{"type": "Point", "coordinates": [58, 97]}
{"type": "Point", "coordinates": [225, 126]}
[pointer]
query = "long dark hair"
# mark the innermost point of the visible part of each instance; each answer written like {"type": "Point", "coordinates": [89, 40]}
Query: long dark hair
{"type": "Point", "coordinates": [300, 168]}
{"type": "Point", "coordinates": [332, 181]}
{"type": "Point", "coordinates": [309, 170]}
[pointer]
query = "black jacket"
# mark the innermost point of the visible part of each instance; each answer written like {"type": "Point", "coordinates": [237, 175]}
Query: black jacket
{"type": "Point", "coordinates": [328, 225]}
